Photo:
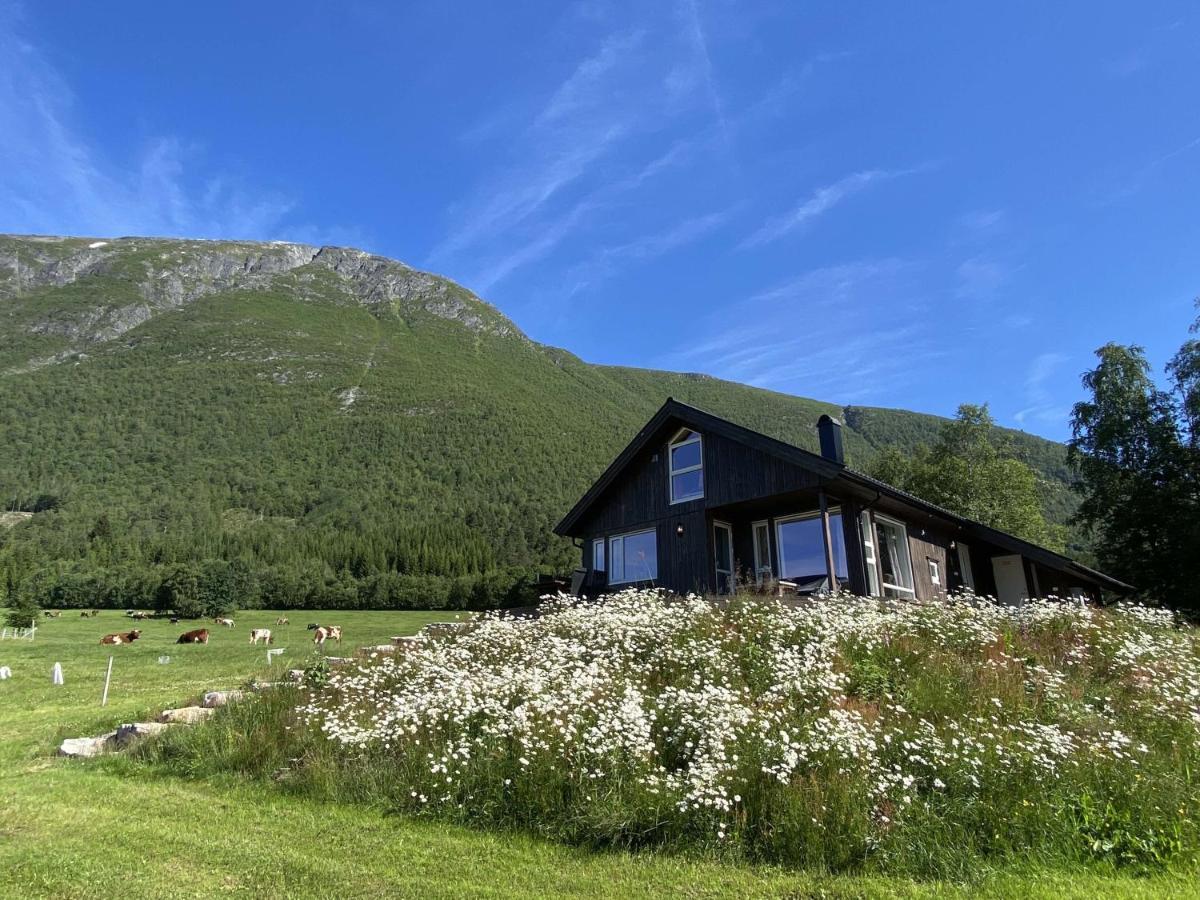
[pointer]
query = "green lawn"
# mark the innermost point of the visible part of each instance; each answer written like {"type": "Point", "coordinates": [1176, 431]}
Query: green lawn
{"type": "Point", "coordinates": [111, 827]}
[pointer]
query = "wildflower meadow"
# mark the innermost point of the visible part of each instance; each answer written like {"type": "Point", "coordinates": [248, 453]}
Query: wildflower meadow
{"type": "Point", "coordinates": [919, 738]}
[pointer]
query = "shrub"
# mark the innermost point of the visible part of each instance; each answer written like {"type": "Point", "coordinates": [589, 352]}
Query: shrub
{"type": "Point", "coordinates": [23, 610]}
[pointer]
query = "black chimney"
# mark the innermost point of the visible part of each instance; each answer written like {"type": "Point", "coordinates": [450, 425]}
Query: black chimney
{"type": "Point", "coordinates": [830, 430]}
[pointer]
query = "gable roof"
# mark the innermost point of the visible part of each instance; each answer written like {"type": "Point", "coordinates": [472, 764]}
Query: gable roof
{"type": "Point", "coordinates": [675, 412]}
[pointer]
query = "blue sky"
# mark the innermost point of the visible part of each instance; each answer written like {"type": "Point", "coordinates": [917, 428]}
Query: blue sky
{"type": "Point", "coordinates": [869, 204]}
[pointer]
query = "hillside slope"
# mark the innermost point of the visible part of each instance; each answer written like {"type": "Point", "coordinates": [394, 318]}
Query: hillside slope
{"type": "Point", "coordinates": [298, 406]}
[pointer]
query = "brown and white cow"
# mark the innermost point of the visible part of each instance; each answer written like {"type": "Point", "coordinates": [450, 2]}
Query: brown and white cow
{"type": "Point", "coordinates": [199, 636]}
{"type": "Point", "coordinates": [322, 633]}
{"type": "Point", "coordinates": [221, 620]}
{"type": "Point", "coordinates": [260, 634]}
{"type": "Point", "coordinates": [121, 637]}
{"type": "Point", "coordinates": [282, 620]}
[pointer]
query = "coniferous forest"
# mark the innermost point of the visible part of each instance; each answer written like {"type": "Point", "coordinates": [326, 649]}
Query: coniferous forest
{"type": "Point", "coordinates": [200, 425]}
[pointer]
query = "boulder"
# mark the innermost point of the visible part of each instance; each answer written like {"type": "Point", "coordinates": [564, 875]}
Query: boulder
{"type": "Point", "coordinates": [127, 734]}
{"type": "Point", "coordinates": [214, 699]}
{"type": "Point", "coordinates": [85, 746]}
{"type": "Point", "coordinates": [187, 715]}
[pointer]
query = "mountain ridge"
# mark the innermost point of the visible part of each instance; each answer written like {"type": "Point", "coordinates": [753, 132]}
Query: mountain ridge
{"type": "Point", "coordinates": [167, 382]}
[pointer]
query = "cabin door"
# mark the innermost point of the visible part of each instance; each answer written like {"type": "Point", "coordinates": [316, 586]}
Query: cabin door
{"type": "Point", "coordinates": [723, 556]}
{"type": "Point", "coordinates": [1011, 587]}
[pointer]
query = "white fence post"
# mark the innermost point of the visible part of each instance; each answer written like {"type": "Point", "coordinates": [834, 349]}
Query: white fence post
{"type": "Point", "coordinates": [107, 679]}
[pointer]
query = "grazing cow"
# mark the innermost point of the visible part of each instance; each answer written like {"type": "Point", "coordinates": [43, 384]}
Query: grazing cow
{"type": "Point", "coordinates": [322, 633]}
{"type": "Point", "coordinates": [52, 613]}
{"type": "Point", "coordinates": [260, 634]}
{"type": "Point", "coordinates": [174, 620]}
{"type": "Point", "coordinates": [121, 637]}
{"type": "Point", "coordinates": [282, 620]}
{"type": "Point", "coordinates": [139, 615]}
{"type": "Point", "coordinates": [199, 636]}
{"type": "Point", "coordinates": [89, 613]}
{"type": "Point", "coordinates": [220, 620]}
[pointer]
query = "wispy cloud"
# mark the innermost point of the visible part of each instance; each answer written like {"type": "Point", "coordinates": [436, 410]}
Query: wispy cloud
{"type": "Point", "coordinates": [53, 179]}
{"type": "Point", "coordinates": [695, 26]}
{"type": "Point", "coordinates": [820, 202]}
{"type": "Point", "coordinates": [844, 332]}
{"type": "Point", "coordinates": [1131, 185]}
{"type": "Point", "coordinates": [1041, 405]}
{"type": "Point", "coordinates": [570, 163]}
{"type": "Point", "coordinates": [604, 262]}
{"type": "Point", "coordinates": [982, 222]}
{"type": "Point", "coordinates": [981, 277]}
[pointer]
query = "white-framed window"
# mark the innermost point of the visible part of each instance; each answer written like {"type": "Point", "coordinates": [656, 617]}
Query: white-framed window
{"type": "Point", "coordinates": [801, 543]}
{"type": "Point", "coordinates": [869, 557]}
{"type": "Point", "coordinates": [723, 556]}
{"type": "Point", "coordinates": [762, 551]}
{"type": "Point", "coordinates": [685, 458]}
{"type": "Point", "coordinates": [633, 557]}
{"type": "Point", "coordinates": [935, 571]}
{"type": "Point", "coordinates": [598, 555]}
{"type": "Point", "coordinates": [895, 562]}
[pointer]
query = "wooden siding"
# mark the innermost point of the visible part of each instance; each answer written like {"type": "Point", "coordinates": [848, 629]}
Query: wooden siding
{"type": "Point", "coordinates": [733, 473]}
{"type": "Point", "coordinates": [926, 544]}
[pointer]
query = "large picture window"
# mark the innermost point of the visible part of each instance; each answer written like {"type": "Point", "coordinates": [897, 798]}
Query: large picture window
{"type": "Point", "coordinates": [633, 557]}
{"type": "Point", "coordinates": [801, 542]}
{"type": "Point", "coordinates": [686, 459]}
{"type": "Point", "coordinates": [895, 563]}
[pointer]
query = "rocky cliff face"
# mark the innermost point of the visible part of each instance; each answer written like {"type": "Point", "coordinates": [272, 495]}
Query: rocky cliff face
{"type": "Point", "coordinates": [137, 278]}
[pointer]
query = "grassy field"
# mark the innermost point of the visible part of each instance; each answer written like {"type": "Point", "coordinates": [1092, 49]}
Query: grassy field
{"type": "Point", "coordinates": [113, 827]}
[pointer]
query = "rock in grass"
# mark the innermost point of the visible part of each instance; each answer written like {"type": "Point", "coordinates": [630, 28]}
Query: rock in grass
{"type": "Point", "coordinates": [85, 746]}
{"type": "Point", "coordinates": [128, 733]}
{"type": "Point", "coordinates": [187, 715]}
{"type": "Point", "coordinates": [214, 699]}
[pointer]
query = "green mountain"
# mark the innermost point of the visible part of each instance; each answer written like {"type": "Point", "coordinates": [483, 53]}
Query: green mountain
{"type": "Point", "coordinates": [323, 419]}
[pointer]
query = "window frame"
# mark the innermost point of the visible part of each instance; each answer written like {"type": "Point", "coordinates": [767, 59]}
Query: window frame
{"type": "Point", "coordinates": [965, 570]}
{"type": "Point", "coordinates": [935, 571]}
{"type": "Point", "coordinates": [599, 554]}
{"type": "Point", "coordinates": [805, 516]}
{"type": "Point", "coordinates": [613, 556]}
{"type": "Point", "coordinates": [909, 592]}
{"type": "Point", "coordinates": [697, 439]}
{"type": "Point", "coordinates": [762, 572]}
{"type": "Point", "coordinates": [731, 573]}
{"type": "Point", "coordinates": [866, 526]}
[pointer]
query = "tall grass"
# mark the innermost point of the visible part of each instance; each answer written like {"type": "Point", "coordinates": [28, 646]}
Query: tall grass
{"type": "Point", "coordinates": [926, 739]}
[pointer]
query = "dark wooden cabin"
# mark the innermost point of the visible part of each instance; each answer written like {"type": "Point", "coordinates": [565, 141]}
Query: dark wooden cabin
{"type": "Point", "coordinates": [698, 504]}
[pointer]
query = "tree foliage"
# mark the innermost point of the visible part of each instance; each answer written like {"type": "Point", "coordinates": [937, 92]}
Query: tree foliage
{"type": "Point", "coordinates": [1135, 447]}
{"type": "Point", "coordinates": [971, 470]}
